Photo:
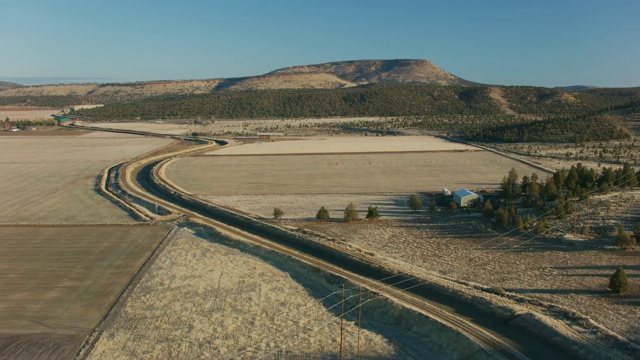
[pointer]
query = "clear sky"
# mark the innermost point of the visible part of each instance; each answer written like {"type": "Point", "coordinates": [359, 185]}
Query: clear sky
{"type": "Point", "coordinates": [510, 42]}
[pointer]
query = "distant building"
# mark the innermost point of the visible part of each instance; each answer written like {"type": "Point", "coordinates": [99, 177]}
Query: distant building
{"type": "Point", "coordinates": [464, 197]}
{"type": "Point", "coordinates": [269, 136]}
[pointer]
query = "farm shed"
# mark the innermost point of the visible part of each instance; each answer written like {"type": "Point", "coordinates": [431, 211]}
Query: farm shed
{"type": "Point", "coordinates": [464, 197]}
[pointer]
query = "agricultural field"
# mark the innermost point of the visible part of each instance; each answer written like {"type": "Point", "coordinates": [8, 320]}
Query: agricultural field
{"type": "Point", "coordinates": [59, 281]}
{"type": "Point", "coordinates": [253, 304]}
{"type": "Point", "coordinates": [540, 272]}
{"type": "Point", "coordinates": [51, 179]}
{"type": "Point", "coordinates": [349, 171]}
{"type": "Point", "coordinates": [26, 113]}
{"type": "Point", "coordinates": [59, 276]}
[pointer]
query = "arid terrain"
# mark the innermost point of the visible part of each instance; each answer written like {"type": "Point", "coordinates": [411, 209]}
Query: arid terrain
{"type": "Point", "coordinates": [237, 306]}
{"type": "Point", "coordinates": [65, 256]}
{"type": "Point", "coordinates": [207, 295]}
{"type": "Point", "coordinates": [321, 76]}
{"type": "Point", "coordinates": [570, 274]}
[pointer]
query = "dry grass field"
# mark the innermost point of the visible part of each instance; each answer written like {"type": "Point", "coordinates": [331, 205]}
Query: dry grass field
{"type": "Point", "coordinates": [58, 282]}
{"type": "Point", "coordinates": [26, 113]}
{"type": "Point", "coordinates": [52, 179]}
{"type": "Point", "coordinates": [389, 173]}
{"type": "Point", "coordinates": [233, 305]}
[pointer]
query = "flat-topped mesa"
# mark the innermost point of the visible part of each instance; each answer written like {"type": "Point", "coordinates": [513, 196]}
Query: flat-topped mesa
{"type": "Point", "coordinates": [380, 71]}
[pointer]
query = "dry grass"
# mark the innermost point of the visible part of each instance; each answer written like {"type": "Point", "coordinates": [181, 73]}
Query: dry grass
{"type": "Point", "coordinates": [231, 305]}
{"type": "Point", "coordinates": [237, 306]}
{"type": "Point", "coordinates": [52, 179]}
{"type": "Point", "coordinates": [341, 173]}
{"type": "Point", "coordinates": [58, 282]}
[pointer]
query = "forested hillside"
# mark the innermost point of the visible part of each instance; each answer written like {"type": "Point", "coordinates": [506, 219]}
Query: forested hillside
{"type": "Point", "coordinates": [371, 100]}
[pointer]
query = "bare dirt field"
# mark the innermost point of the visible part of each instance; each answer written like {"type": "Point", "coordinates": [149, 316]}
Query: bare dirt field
{"type": "Point", "coordinates": [52, 179]}
{"type": "Point", "coordinates": [58, 282]}
{"type": "Point", "coordinates": [234, 305]}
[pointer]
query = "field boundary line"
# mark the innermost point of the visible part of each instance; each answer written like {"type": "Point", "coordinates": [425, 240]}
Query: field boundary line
{"type": "Point", "coordinates": [120, 301]}
{"type": "Point", "coordinates": [486, 148]}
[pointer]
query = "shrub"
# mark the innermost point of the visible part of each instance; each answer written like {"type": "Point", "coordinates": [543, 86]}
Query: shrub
{"type": "Point", "coordinates": [372, 213]}
{"type": "Point", "coordinates": [623, 240]}
{"type": "Point", "coordinates": [277, 213]}
{"type": "Point", "coordinates": [323, 214]}
{"type": "Point", "coordinates": [618, 282]}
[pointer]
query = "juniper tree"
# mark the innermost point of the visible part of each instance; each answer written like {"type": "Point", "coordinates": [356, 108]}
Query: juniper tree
{"type": "Point", "coordinates": [277, 213]}
{"type": "Point", "coordinates": [350, 213]}
{"type": "Point", "coordinates": [323, 214]}
{"type": "Point", "coordinates": [618, 282]}
{"type": "Point", "coordinates": [623, 239]}
{"type": "Point", "coordinates": [372, 213]}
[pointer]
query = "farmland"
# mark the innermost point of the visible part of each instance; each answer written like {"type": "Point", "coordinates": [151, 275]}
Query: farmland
{"type": "Point", "coordinates": [52, 179]}
{"type": "Point", "coordinates": [334, 171]}
{"type": "Point", "coordinates": [57, 282]}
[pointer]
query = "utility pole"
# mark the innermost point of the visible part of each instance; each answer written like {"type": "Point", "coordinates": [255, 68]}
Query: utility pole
{"type": "Point", "coordinates": [359, 321]}
{"type": "Point", "coordinates": [341, 320]}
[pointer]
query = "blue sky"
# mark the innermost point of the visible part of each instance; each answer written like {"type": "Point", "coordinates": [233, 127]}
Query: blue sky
{"type": "Point", "coordinates": [510, 42]}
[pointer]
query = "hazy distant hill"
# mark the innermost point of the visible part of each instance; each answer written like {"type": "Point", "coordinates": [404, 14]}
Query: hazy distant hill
{"type": "Point", "coordinates": [575, 87]}
{"type": "Point", "coordinates": [333, 75]}
{"type": "Point", "coordinates": [8, 85]}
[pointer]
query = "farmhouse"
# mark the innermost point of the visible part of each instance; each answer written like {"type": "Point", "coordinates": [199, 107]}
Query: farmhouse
{"type": "Point", "coordinates": [464, 197]}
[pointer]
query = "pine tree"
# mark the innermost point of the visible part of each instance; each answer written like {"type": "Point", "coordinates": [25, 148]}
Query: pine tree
{"type": "Point", "coordinates": [488, 209]}
{"type": "Point", "coordinates": [372, 213]}
{"type": "Point", "coordinates": [323, 214]}
{"type": "Point", "coordinates": [618, 282]}
{"type": "Point", "coordinates": [415, 203]}
{"type": "Point", "coordinates": [432, 205]}
{"type": "Point", "coordinates": [520, 223]}
{"type": "Point", "coordinates": [351, 213]}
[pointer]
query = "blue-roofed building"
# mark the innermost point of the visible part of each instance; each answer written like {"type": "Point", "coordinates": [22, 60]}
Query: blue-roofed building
{"type": "Point", "coordinates": [464, 197]}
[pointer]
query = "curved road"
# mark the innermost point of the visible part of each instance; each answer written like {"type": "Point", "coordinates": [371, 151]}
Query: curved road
{"type": "Point", "coordinates": [134, 177]}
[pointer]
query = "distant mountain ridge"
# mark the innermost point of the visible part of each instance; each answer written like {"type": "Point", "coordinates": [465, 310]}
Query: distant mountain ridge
{"type": "Point", "coordinates": [333, 75]}
{"type": "Point", "coordinates": [380, 71]}
{"type": "Point", "coordinates": [8, 85]}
